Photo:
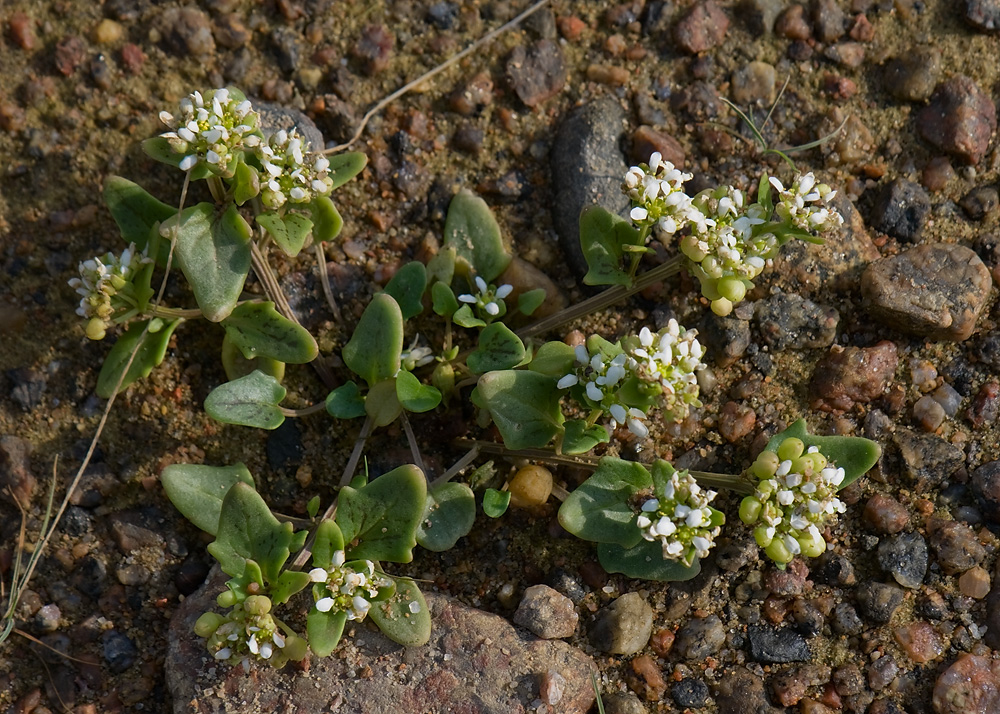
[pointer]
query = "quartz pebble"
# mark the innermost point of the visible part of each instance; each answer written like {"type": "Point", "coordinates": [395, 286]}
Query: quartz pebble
{"type": "Point", "coordinates": [624, 626]}
{"type": "Point", "coordinates": [702, 28]}
{"type": "Point", "coordinates": [969, 686]}
{"type": "Point", "coordinates": [927, 458]}
{"type": "Point", "coordinates": [851, 375]}
{"type": "Point", "coordinates": [186, 31]}
{"type": "Point", "coordinates": [648, 681]}
{"type": "Point", "coordinates": [700, 637]}
{"type": "Point", "coordinates": [546, 612]}
{"type": "Point", "coordinates": [955, 545]}
{"type": "Point", "coordinates": [975, 583]}
{"type": "Point", "coordinates": [920, 641]}
{"type": "Point", "coordinates": [885, 514]}
{"type": "Point", "coordinates": [960, 119]}
{"type": "Point", "coordinates": [537, 72]}
{"type": "Point", "coordinates": [928, 413]}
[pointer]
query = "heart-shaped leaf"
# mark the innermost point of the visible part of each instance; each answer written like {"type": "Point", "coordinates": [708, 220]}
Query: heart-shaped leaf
{"type": "Point", "coordinates": [414, 395]}
{"type": "Point", "coordinates": [499, 348]}
{"type": "Point", "coordinates": [581, 437]}
{"type": "Point", "coordinates": [600, 509]}
{"type": "Point", "coordinates": [443, 300]}
{"type": "Point", "coordinates": [150, 349]}
{"type": "Point", "coordinates": [379, 521]}
{"type": "Point", "coordinates": [855, 454]}
{"type": "Point", "coordinates": [524, 406]}
{"type": "Point", "coordinates": [495, 503]}
{"type": "Point", "coordinates": [645, 561]}
{"type": "Point", "coordinates": [288, 231]}
{"type": "Point", "coordinates": [258, 330]}
{"type": "Point", "coordinates": [472, 231]}
{"type": "Point", "coordinates": [137, 214]}
{"type": "Point", "coordinates": [602, 237]}
{"type": "Point", "coordinates": [382, 403]}
{"type": "Point", "coordinates": [249, 401]}
{"type": "Point", "coordinates": [197, 491]}
{"type": "Point", "coordinates": [344, 167]}
{"type": "Point", "coordinates": [463, 317]}
{"type": "Point", "coordinates": [326, 219]}
{"type": "Point", "coordinates": [555, 359]}
{"type": "Point", "coordinates": [345, 402]}
{"type": "Point", "coordinates": [373, 352]}
{"type": "Point", "coordinates": [531, 300]}
{"type": "Point", "coordinates": [214, 254]}
{"type": "Point", "coordinates": [404, 618]}
{"type": "Point", "coordinates": [407, 288]}
{"type": "Point", "coordinates": [449, 513]}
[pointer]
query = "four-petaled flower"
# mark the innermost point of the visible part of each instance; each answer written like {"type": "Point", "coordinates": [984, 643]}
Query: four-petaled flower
{"type": "Point", "coordinates": [681, 519]}
{"type": "Point", "coordinates": [211, 129]}
{"type": "Point", "coordinates": [348, 587]}
{"type": "Point", "coordinates": [489, 299]}
{"type": "Point", "coordinates": [103, 285]}
{"type": "Point", "coordinates": [290, 173]}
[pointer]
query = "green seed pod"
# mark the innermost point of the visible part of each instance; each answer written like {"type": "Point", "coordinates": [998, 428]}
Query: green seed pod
{"type": "Point", "coordinates": [95, 329]}
{"type": "Point", "coordinates": [812, 547]}
{"type": "Point", "coordinates": [295, 647]}
{"type": "Point", "coordinates": [722, 306]}
{"type": "Point", "coordinates": [711, 267]}
{"type": "Point", "coordinates": [689, 246]}
{"type": "Point", "coordinates": [802, 465]}
{"type": "Point", "coordinates": [732, 289]}
{"type": "Point", "coordinates": [777, 552]}
{"type": "Point", "coordinates": [226, 598]}
{"type": "Point", "coordinates": [257, 605]}
{"type": "Point", "coordinates": [749, 510]}
{"type": "Point", "coordinates": [819, 461]}
{"type": "Point", "coordinates": [208, 623]}
{"type": "Point", "coordinates": [443, 379]}
{"type": "Point", "coordinates": [760, 535]}
{"type": "Point", "coordinates": [765, 465]}
{"type": "Point", "coordinates": [791, 448]}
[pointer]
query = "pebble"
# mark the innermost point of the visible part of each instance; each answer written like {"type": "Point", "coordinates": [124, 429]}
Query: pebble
{"type": "Point", "coordinates": [547, 613]}
{"type": "Point", "coordinates": [608, 75]}
{"type": "Point", "coordinates": [808, 620]}
{"type": "Point", "coordinates": [373, 50]}
{"type": "Point", "coordinates": [119, 651]}
{"type": "Point", "coordinates": [231, 32]}
{"type": "Point", "coordinates": [913, 75]}
{"type": "Point", "coordinates": [468, 139]}
{"type": "Point", "coordinates": [760, 15]}
{"type": "Point", "coordinates": [624, 626]}
{"type": "Point", "coordinates": [847, 680]}
{"type": "Point", "coordinates": [186, 31]}
{"type": "Point", "coordinates": [700, 637]}
{"type": "Point", "coordinates": [551, 687]}
{"type": "Point", "coordinates": [790, 321]}
{"type": "Point", "coordinates": [927, 458]}
{"type": "Point", "coordinates": [646, 140]}
{"type": "Point", "coordinates": [985, 483]}
{"type": "Point", "coordinates": [846, 54]}
{"type": "Point", "coordinates": [22, 31]}
{"type": "Point", "coordinates": [754, 84]}
{"type": "Point", "coordinates": [27, 387]}
{"type": "Point", "coordinates": [473, 96]}
{"type": "Point", "coordinates": [15, 470]}
{"type": "Point", "coordinates": [133, 530]}
{"type": "Point", "coordinates": [736, 420]}
{"type": "Point", "coordinates": [878, 601]}
{"type": "Point", "coordinates": [938, 173]}
{"type": "Point", "coordinates": [901, 209]}
{"type": "Point", "coordinates": [905, 558]}
{"type": "Point", "coordinates": [770, 645]}
{"type": "Point", "coordinates": [537, 72]}
{"type": "Point", "coordinates": [792, 24]}
{"type": "Point", "coordinates": [920, 641]}
{"type": "Point", "coordinates": [90, 577]}
{"type": "Point", "coordinates": [740, 691]}
{"type": "Point", "coordinates": [789, 687]}
{"type": "Point", "coordinates": [108, 32]}
{"type": "Point", "coordinates": [933, 290]}
{"type": "Point", "coordinates": [885, 514]}
{"type": "Point", "coordinates": [882, 672]}
{"type": "Point", "coordinates": [983, 14]}
{"type": "Point", "coordinates": [69, 54]}
{"type": "Point", "coordinates": [960, 119]}
{"type": "Point", "coordinates": [969, 686]}
{"type": "Point", "coordinates": [955, 545]}
{"type": "Point", "coordinates": [988, 351]}
{"type": "Point", "coordinates": [790, 581]}
{"type": "Point", "coordinates": [570, 27]}
{"type": "Point", "coordinates": [623, 703]}
{"type": "Point", "coordinates": [985, 406]}
{"type": "Point", "coordinates": [690, 692]}
{"type": "Point", "coordinates": [442, 15]}
{"type": "Point", "coordinates": [587, 167]}
{"type": "Point", "coordinates": [928, 413]}
{"type": "Point", "coordinates": [949, 399]}
{"type": "Point", "coordinates": [829, 20]}
{"type": "Point", "coordinates": [47, 618]}
{"type": "Point", "coordinates": [980, 202]}
{"type": "Point", "coordinates": [834, 569]}
{"type": "Point", "coordinates": [702, 28]}
{"type": "Point", "coordinates": [975, 583]}
{"type": "Point", "coordinates": [853, 145]}
{"type": "Point", "coordinates": [648, 681]}
{"type": "Point", "coordinates": [852, 375]}
{"type": "Point", "coordinates": [725, 338]}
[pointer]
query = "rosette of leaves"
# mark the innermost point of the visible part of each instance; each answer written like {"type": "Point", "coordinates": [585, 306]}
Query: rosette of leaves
{"type": "Point", "coordinates": [605, 509]}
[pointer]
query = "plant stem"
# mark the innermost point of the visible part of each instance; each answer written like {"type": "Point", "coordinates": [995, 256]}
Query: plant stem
{"type": "Point", "coordinates": [359, 447]}
{"type": "Point", "coordinates": [448, 475]}
{"type": "Point", "coordinates": [411, 438]}
{"type": "Point", "coordinates": [737, 484]}
{"type": "Point", "coordinates": [605, 299]}
{"type": "Point", "coordinates": [173, 313]}
{"type": "Point", "coordinates": [324, 280]}
{"type": "Point", "coordinates": [304, 411]}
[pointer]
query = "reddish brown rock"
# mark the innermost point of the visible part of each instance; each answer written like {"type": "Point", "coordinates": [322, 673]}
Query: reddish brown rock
{"type": "Point", "coordinates": [22, 31]}
{"type": "Point", "coordinates": [960, 119]}
{"type": "Point", "coordinates": [853, 375]}
{"type": "Point", "coordinates": [920, 641]}
{"type": "Point", "coordinates": [736, 421]}
{"type": "Point", "coordinates": [536, 72]}
{"type": "Point", "coordinates": [970, 686]}
{"type": "Point", "coordinates": [885, 514]}
{"type": "Point", "coordinates": [703, 28]}
{"type": "Point", "coordinates": [646, 140]}
{"type": "Point", "coordinates": [648, 681]}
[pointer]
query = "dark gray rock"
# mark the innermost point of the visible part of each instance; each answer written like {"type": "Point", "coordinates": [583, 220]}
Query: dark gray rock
{"type": "Point", "coordinates": [904, 557]}
{"type": "Point", "coordinates": [980, 202]}
{"type": "Point", "coordinates": [119, 651]}
{"type": "Point", "coordinates": [186, 32]}
{"type": "Point", "coordinates": [901, 209]}
{"type": "Point", "coordinates": [624, 626]}
{"type": "Point", "coordinates": [442, 15]}
{"type": "Point", "coordinates": [769, 645]}
{"type": "Point", "coordinates": [878, 601]}
{"type": "Point", "coordinates": [700, 637]}
{"type": "Point", "coordinates": [546, 612]}
{"type": "Point", "coordinates": [275, 117]}
{"type": "Point", "coordinates": [725, 338]}
{"type": "Point", "coordinates": [913, 75]}
{"type": "Point", "coordinates": [587, 168]}
{"type": "Point", "coordinates": [960, 119]}
{"type": "Point", "coordinates": [788, 320]}
{"type": "Point", "coordinates": [986, 486]}
{"type": "Point", "coordinates": [844, 620]}
{"type": "Point", "coordinates": [537, 72]}
{"type": "Point", "coordinates": [740, 691]}
{"type": "Point", "coordinates": [90, 577]}
{"type": "Point", "coordinates": [984, 15]}
{"type": "Point", "coordinates": [690, 693]}
{"type": "Point", "coordinates": [955, 545]}
{"type": "Point", "coordinates": [927, 458]}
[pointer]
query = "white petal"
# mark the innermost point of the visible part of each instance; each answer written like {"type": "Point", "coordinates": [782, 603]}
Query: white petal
{"type": "Point", "coordinates": [224, 653]}
{"type": "Point", "coordinates": [568, 381]}
{"type": "Point", "coordinates": [324, 604]}
{"type": "Point", "coordinates": [318, 575]}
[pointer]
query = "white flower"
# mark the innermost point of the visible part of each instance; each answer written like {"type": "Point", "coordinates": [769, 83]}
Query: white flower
{"type": "Point", "coordinates": [488, 299]}
{"type": "Point", "coordinates": [658, 199]}
{"type": "Point", "coordinates": [100, 282]}
{"type": "Point", "coordinates": [213, 129]}
{"type": "Point", "coordinates": [682, 520]}
{"type": "Point", "coordinates": [296, 177]}
{"type": "Point", "coordinates": [347, 588]}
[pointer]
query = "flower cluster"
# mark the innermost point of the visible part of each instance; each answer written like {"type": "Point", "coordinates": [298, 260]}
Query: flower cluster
{"type": "Point", "coordinates": [649, 369]}
{"type": "Point", "coordinates": [658, 198]}
{"type": "Point", "coordinates": [681, 519]}
{"type": "Point", "coordinates": [212, 129]}
{"type": "Point", "coordinates": [100, 283]}
{"type": "Point", "coordinates": [488, 300]}
{"type": "Point", "coordinates": [290, 175]}
{"type": "Point", "coordinates": [416, 356]}
{"type": "Point", "coordinates": [805, 204]}
{"type": "Point", "coordinates": [795, 497]}
{"type": "Point", "coordinates": [250, 629]}
{"type": "Point", "coordinates": [347, 587]}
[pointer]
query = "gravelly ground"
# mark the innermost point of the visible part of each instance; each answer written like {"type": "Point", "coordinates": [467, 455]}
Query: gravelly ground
{"type": "Point", "coordinates": [81, 84]}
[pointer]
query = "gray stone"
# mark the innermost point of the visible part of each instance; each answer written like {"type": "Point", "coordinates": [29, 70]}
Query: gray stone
{"type": "Point", "coordinates": [275, 117]}
{"type": "Point", "coordinates": [787, 320]}
{"type": "Point", "coordinates": [844, 620]}
{"type": "Point", "coordinates": [587, 168]}
{"type": "Point", "coordinates": [15, 470]}
{"type": "Point", "coordinates": [984, 15]}
{"type": "Point", "coordinates": [740, 691]}
{"type": "Point", "coordinates": [546, 612]}
{"type": "Point", "coordinates": [623, 703]}
{"type": "Point", "coordinates": [955, 545]}
{"type": "Point", "coordinates": [700, 637]}
{"type": "Point", "coordinates": [937, 291]}
{"type": "Point", "coordinates": [927, 458]}
{"type": "Point", "coordinates": [537, 72]}
{"type": "Point", "coordinates": [690, 693]}
{"type": "Point", "coordinates": [905, 558]}
{"type": "Point", "coordinates": [986, 485]}
{"type": "Point", "coordinates": [754, 83]}
{"type": "Point", "coordinates": [960, 119]}
{"type": "Point", "coordinates": [901, 209]}
{"type": "Point", "coordinates": [624, 626]}
{"type": "Point", "coordinates": [913, 75]}
{"type": "Point", "coordinates": [771, 645]}
{"type": "Point", "coordinates": [878, 601]}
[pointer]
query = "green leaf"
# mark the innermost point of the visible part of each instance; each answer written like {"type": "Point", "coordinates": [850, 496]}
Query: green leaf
{"type": "Point", "coordinates": [214, 254]}
{"type": "Point", "coordinates": [248, 530]}
{"type": "Point", "coordinates": [602, 238]}
{"type": "Point", "coordinates": [247, 183]}
{"type": "Point", "coordinates": [441, 268]}
{"type": "Point", "coordinates": [288, 231]}
{"type": "Point", "coordinates": [345, 402]}
{"type": "Point", "coordinates": [379, 521]}
{"type": "Point", "coordinates": [158, 149]}
{"type": "Point", "coordinates": [397, 619]}
{"type": "Point", "coordinates": [248, 401]}
{"type": "Point", "coordinates": [645, 561]}
{"type": "Point", "coordinates": [325, 630]}
{"type": "Point", "coordinates": [258, 330]}
{"type": "Point", "coordinates": [499, 348]}
{"type": "Point", "coordinates": [374, 350]}
{"type": "Point", "coordinates": [524, 406]}
{"type": "Point", "coordinates": [600, 508]}
{"type": "Point", "coordinates": [443, 300]}
{"type": "Point", "coordinates": [236, 365]}
{"type": "Point", "coordinates": [197, 491]}
{"type": "Point", "coordinates": [344, 167]}
{"type": "Point", "coordinates": [382, 404]}
{"type": "Point", "coordinates": [581, 437]}
{"type": "Point", "coordinates": [473, 232]}
{"type": "Point", "coordinates": [407, 287]}
{"type": "Point", "coordinates": [328, 541]}
{"type": "Point", "coordinates": [449, 512]}
{"type": "Point", "coordinates": [414, 395]}
{"type": "Point", "coordinates": [554, 359]}
{"type": "Point", "coordinates": [495, 503]}
{"type": "Point", "coordinates": [312, 507]}
{"type": "Point", "coordinates": [530, 301]}
{"type": "Point", "coordinates": [137, 214]}
{"type": "Point", "coordinates": [289, 583]}
{"type": "Point", "coordinates": [150, 347]}
{"type": "Point", "coordinates": [326, 219]}
{"type": "Point", "coordinates": [464, 317]}
{"type": "Point", "coordinates": [854, 454]}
